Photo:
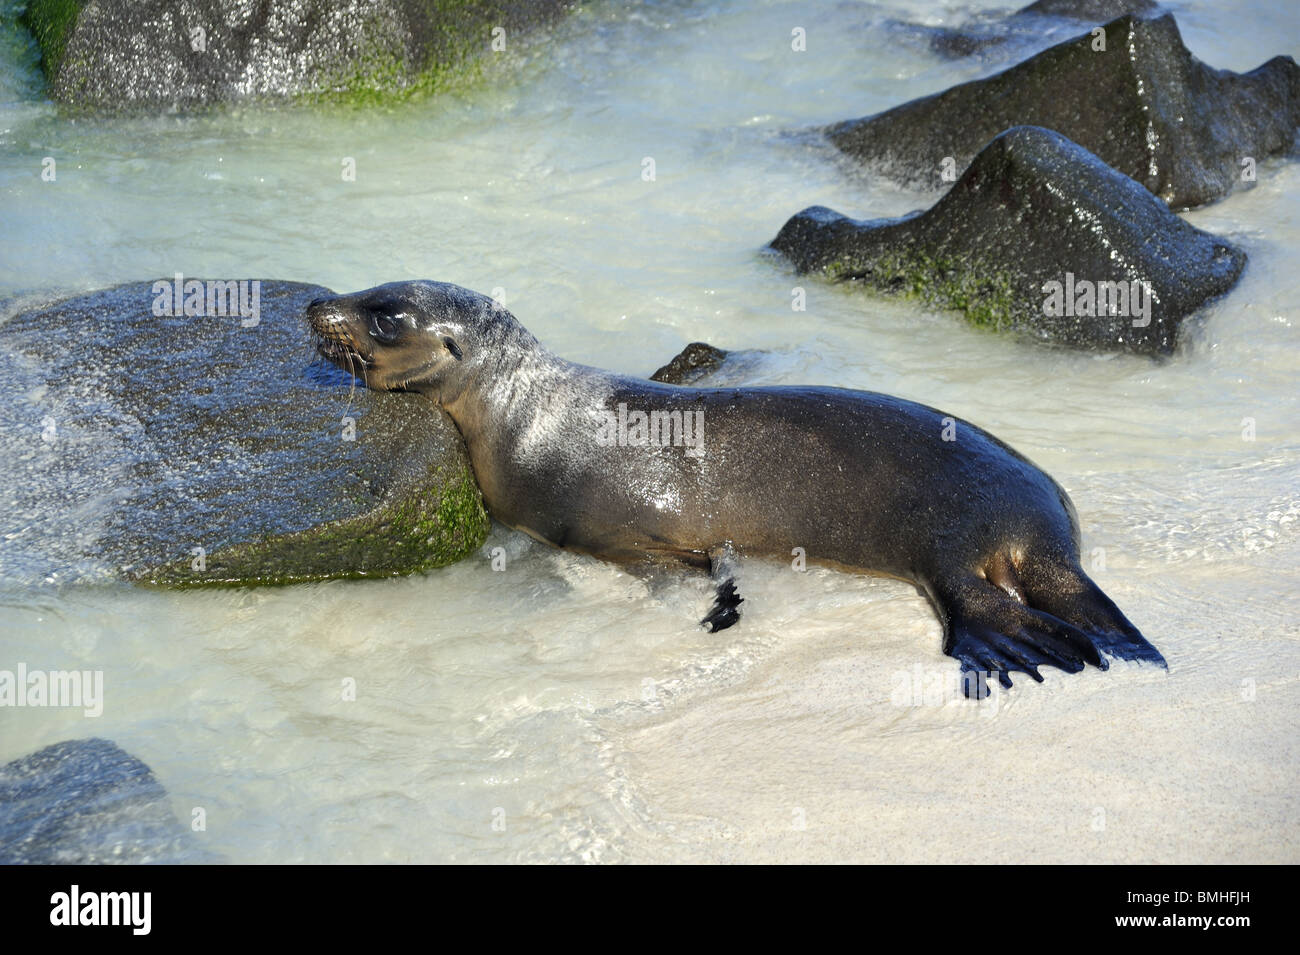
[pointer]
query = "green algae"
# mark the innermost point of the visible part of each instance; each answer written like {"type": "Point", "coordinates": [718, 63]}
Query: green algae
{"type": "Point", "coordinates": [437, 524]}
{"type": "Point", "coordinates": [51, 22]}
{"type": "Point", "coordinates": [984, 296]}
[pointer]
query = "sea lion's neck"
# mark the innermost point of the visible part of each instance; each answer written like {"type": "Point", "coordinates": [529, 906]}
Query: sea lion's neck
{"type": "Point", "coordinates": [521, 413]}
{"type": "Point", "coordinates": [503, 386]}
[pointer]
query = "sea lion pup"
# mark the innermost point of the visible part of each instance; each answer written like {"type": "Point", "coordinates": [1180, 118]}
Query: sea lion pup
{"type": "Point", "coordinates": [629, 469]}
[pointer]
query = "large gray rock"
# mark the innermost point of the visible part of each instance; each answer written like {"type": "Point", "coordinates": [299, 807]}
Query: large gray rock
{"type": "Point", "coordinates": [136, 438]}
{"type": "Point", "coordinates": [1032, 209]}
{"type": "Point", "coordinates": [183, 53]}
{"type": "Point", "coordinates": [86, 802]}
{"type": "Point", "coordinates": [1144, 105]}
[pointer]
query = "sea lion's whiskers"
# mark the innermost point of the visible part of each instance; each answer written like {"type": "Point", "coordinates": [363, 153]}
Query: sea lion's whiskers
{"type": "Point", "coordinates": [327, 347]}
{"type": "Point", "coordinates": [352, 381]}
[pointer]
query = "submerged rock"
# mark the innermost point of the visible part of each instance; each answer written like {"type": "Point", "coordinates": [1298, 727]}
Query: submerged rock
{"type": "Point", "coordinates": [138, 439]}
{"type": "Point", "coordinates": [697, 360]}
{"type": "Point", "coordinates": [110, 54]}
{"type": "Point", "coordinates": [1043, 22]}
{"type": "Point", "coordinates": [706, 366]}
{"type": "Point", "coordinates": [87, 802]}
{"type": "Point", "coordinates": [1034, 209]}
{"type": "Point", "coordinates": [1143, 105]}
{"type": "Point", "coordinates": [1087, 9]}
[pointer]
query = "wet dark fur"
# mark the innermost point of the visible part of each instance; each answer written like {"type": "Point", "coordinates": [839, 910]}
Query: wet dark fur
{"type": "Point", "coordinates": [857, 479]}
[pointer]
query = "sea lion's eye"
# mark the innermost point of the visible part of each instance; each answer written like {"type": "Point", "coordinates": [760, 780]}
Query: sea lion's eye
{"type": "Point", "coordinates": [453, 347]}
{"type": "Point", "coordinates": [384, 327]}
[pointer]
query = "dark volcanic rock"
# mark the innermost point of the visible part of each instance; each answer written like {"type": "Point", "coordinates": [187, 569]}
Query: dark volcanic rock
{"type": "Point", "coordinates": [1144, 105]}
{"type": "Point", "coordinates": [136, 438]}
{"type": "Point", "coordinates": [86, 802]}
{"type": "Point", "coordinates": [1087, 9]}
{"type": "Point", "coordinates": [703, 365]}
{"type": "Point", "coordinates": [692, 363]}
{"type": "Point", "coordinates": [117, 53]}
{"type": "Point", "coordinates": [1033, 208]}
{"type": "Point", "coordinates": [1045, 22]}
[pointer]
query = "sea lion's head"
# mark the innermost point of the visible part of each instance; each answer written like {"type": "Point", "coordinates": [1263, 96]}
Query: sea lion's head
{"type": "Point", "coordinates": [413, 336]}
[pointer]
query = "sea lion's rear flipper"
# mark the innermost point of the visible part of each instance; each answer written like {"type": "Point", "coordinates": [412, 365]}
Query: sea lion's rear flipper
{"type": "Point", "coordinates": [1070, 595]}
{"type": "Point", "coordinates": [726, 602]}
{"type": "Point", "coordinates": [989, 629]}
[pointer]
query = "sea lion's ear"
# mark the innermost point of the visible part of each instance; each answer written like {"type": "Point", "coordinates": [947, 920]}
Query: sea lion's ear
{"type": "Point", "coordinates": [452, 347]}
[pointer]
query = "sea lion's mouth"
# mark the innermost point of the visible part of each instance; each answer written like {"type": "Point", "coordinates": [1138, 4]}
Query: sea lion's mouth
{"type": "Point", "coordinates": [334, 340]}
{"type": "Point", "coordinates": [342, 352]}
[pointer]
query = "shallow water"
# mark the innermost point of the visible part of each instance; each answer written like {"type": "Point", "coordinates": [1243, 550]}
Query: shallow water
{"type": "Point", "coordinates": [577, 706]}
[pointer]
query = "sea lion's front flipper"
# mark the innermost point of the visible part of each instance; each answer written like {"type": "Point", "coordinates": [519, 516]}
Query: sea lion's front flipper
{"type": "Point", "coordinates": [987, 629]}
{"type": "Point", "coordinates": [726, 602]}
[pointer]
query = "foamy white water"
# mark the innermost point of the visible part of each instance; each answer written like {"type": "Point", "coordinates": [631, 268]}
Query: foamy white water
{"type": "Point", "coordinates": [579, 704]}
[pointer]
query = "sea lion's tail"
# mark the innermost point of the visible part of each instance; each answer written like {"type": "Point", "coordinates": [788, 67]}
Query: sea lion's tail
{"type": "Point", "coordinates": [1012, 618]}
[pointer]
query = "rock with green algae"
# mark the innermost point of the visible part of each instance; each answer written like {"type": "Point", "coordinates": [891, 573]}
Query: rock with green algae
{"type": "Point", "coordinates": [1033, 209]}
{"type": "Point", "coordinates": [192, 450]}
{"type": "Point", "coordinates": [122, 54]}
